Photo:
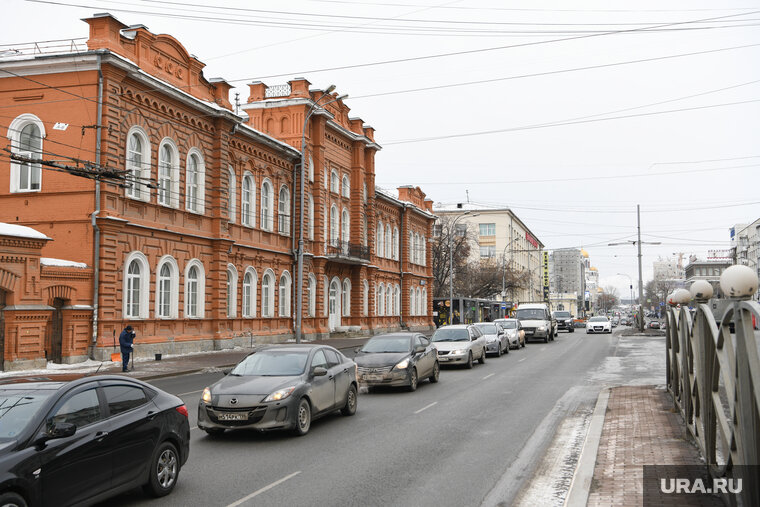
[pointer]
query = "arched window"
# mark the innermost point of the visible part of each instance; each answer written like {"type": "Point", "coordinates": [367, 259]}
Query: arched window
{"type": "Point", "coordinates": [424, 302]}
{"type": "Point", "coordinates": [138, 164]}
{"type": "Point", "coordinates": [346, 186]}
{"type": "Point", "coordinates": [364, 230]}
{"type": "Point", "coordinates": [412, 302]}
{"type": "Point", "coordinates": [248, 200]}
{"type": "Point", "coordinates": [423, 250]}
{"type": "Point", "coordinates": [310, 217]}
{"type": "Point", "coordinates": [380, 296]}
{"type": "Point", "coordinates": [266, 205]}
{"type": "Point", "coordinates": [364, 192]}
{"type": "Point", "coordinates": [389, 300]}
{"type": "Point", "coordinates": [311, 169]}
{"type": "Point", "coordinates": [249, 292]}
{"type": "Point", "coordinates": [232, 278]}
{"type": "Point", "coordinates": [334, 182]}
{"type": "Point", "coordinates": [334, 225]}
{"type": "Point", "coordinates": [396, 300]}
{"type": "Point", "coordinates": [388, 242]}
{"type": "Point", "coordinates": [312, 296]}
{"type": "Point", "coordinates": [346, 302]}
{"type": "Point", "coordinates": [365, 298]}
{"type": "Point", "coordinates": [283, 212]}
{"type": "Point", "coordinates": [267, 294]}
{"type": "Point", "coordinates": [168, 174]}
{"type": "Point", "coordinates": [419, 302]}
{"type": "Point", "coordinates": [410, 255]}
{"type": "Point", "coordinates": [285, 294]}
{"type": "Point", "coordinates": [167, 292]}
{"type": "Point", "coordinates": [26, 133]}
{"type": "Point", "coordinates": [136, 285]}
{"type": "Point", "coordinates": [231, 194]}
{"type": "Point", "coordinates": [380, 247]}
{"type": "Point", "coordinates": [195, 191]}
{"type": "Point", "coordinates": [325, 283]}
{"type": "Point", "coordinates": [395, 243]}
{"type": "Point", "coordinates": [345, 227]}
{"type": "Point", "coordinates": [195, 285]}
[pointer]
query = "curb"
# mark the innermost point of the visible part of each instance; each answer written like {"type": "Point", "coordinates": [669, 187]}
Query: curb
{"type": "Point", "coordinates": [580, 486]}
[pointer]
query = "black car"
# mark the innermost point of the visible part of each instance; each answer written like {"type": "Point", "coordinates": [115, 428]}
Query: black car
{"type": "Point", "coordinates": [564, 321]}
{"type": "Point", "coordinates": [80, 442]}
{"type": "Point", "coordinates": [281, 387]}
{"type": "Point", "coordinates": [398, 359]}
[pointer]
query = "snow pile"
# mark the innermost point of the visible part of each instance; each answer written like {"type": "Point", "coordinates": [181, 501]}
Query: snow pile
{"type": "Point", "coordinates": [49, 261]}
{"type": "Point", "coordinates": [20, 231]}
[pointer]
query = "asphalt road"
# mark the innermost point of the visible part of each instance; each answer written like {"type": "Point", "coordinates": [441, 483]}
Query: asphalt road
{"type": "Point", "coordinates": [475, 437]}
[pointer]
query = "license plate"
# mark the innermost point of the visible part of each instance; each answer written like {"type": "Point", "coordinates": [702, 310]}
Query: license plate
{"type": "Point", "coordinates": [233, 417]}
{"type": "Point", "coordinates": [372, 377]}
{"type": "Point", "coordinates": [528, 332]}
{"type": "Point", "coordinates": [444, 358]}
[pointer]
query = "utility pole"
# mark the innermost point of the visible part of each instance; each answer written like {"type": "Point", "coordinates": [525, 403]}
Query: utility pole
{"type": "Point", "coordinates": [641, 281]}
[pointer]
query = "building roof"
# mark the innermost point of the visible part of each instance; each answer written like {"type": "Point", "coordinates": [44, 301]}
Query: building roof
{"type": "Point", "coordinates": [20, 231]}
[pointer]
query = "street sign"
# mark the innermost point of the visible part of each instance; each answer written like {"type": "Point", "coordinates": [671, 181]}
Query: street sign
{"type": "Point", "coordinates": [504, 306]}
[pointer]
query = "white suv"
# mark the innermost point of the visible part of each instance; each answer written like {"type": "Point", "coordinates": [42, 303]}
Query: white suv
{"type": "Point", "coordinates": [537, 321]}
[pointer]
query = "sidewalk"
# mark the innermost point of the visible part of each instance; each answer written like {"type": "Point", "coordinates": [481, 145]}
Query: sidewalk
{"type": "Point", "coordinates": [640, 428]}
{"type": "Point", "coordinates": [147, 369]}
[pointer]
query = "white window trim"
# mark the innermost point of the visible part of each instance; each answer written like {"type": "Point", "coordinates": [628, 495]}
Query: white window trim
{"type": "Point", "coordinates": [232, 273]}
{"type": "Point", "coordinates": [145, 165]}
{"type": "Point", "coordinates": [283, 216]}
{"type": "Point", "coordinates": [174, 282]}
{"type": "Point", "coordinates": [173, 173]}
{"type": "Point", "coordinates": [346, 298]}
{"type": "Point", "coordinates": [310, 227]}
{"type": "Point", "coordinates": [268, 273]}
{"type": "Point", "coordinates": [365, 301]}
{"type": "Point", "coordinates": [345, 186]}
{"type": "Point", "coordinates": [201, 307]}
{"type": "Point", "coordinates": [143, 311]}
{"type": "Point", "coordinates": [345, 226]}
{"type": "Point", "coordinates": [284, 294]}
{"type": "Point", "coordinates": [334, 177]}
{"type": "Point", "coordinates": [201, 191]}
{"type": "Point", "coordinates": [232, 196]}
{"type": "Point", "coordinates": [250, 219]}
{"type": "Point", "coordinates": [14, 136]}
{"type": "Point", "coordinates": [311, 307]}
{"type": "Point", "coordinates": [267, 216]}
{"type": "Point", "coordinates": [250, 312]}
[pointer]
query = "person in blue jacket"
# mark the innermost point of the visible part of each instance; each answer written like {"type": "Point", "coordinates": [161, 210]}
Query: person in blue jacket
{"type": "Point", "coordinates": [125, 344]}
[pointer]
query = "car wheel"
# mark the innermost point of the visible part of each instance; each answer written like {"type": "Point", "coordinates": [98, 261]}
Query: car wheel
{"type": "Point", "coordinates": [11, 499]}
{"type": "Point", "coordinates": [350, 407]}
{"type": "Point", "coordinates": [164, 470]}
{"type": "Point", "coordinates": [303, 418]}
{"type": "Point", "coordinates": [213, 431]}
{"type": "Point", "coordinates": [506, 349]}
{"type": "Point", "coordinates": [498, 350]}
{"type": "Point", "coordinates": [412, 380]}
{"type": "Point", "coordinates": [482, 359]}
{"type": "Point", "coordinates": [546, 339]}
{"type": "Point", "coordinates": [572, 329]}
{"type": "Point", "coordinates": [523, 344]}
{"type": "Point", "coordinates": [436, 373]}
{"type": "Point", "coordinates": [469, 361]}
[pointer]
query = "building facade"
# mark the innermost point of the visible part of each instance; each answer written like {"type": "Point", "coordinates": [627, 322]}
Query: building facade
{"type": "Point", "coordinates": [567, 272]}
{"type": "Point", "coordinates": [190, 215]}
{"type": "Point", "coordinates": [502, 237]}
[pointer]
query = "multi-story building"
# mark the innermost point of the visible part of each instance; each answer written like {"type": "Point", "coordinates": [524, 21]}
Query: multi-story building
{"type": "Point", "coordinates": [501, 236]}
{"type": "Point", "coordinates": [669, 270]}
{"type": "Point", "coordinates": [745, 242]}
{"type": "Point", "coordinates": [709, 270]}
{"type": "Point", "coordinates": [568, 269]}
{"type": "Point", "coordinates": [189, 216]}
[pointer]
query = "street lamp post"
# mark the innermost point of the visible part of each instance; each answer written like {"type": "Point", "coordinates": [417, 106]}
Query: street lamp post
{"type": "Point", "coordinates": [451, 263]}
{"type": "Point", "coordinates": [638, 243]}
{"type": "Point", "coordinates": [302, 192]}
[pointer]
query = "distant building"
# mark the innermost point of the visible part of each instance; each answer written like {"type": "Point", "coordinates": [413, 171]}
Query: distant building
{"type": "Point", "coordinates": [707, 270]}
{"type": "Point", "coordinates": [745, 242]}
{"type": "Point", "coordinates": [668, 270]}
{"type": "Point", "coordinates": [567, 271]}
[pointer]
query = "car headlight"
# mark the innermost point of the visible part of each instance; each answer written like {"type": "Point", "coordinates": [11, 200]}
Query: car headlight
{"type": "Point", "coordinates": [491, 339]}
{"type": "Point", "coordinates": [542, 328]}
{"type": "Point", "coordinates": [206, 396]}
{"type": "Point", "coordinates": [457, 352]}
{"type": "Point", "coordinates": [280, 394]}
{"type": "Point", "coordinates": [403, 364]}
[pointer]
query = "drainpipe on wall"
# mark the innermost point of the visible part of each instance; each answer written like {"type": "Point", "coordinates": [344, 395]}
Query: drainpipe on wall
{"type": "Point", "coordinates": [293, 289]}
{"type": "Point", "coordinates": [401, 237]}
{"type": "Point", "coordinates": [94, 216]}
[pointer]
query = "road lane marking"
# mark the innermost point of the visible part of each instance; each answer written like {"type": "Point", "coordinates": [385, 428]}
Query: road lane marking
{"type": "Point", "coordinates": [191, 392]}
{"type": "Point", "coordinates": [426, 407]}
{"type": "Point", "coordinates": [523, 359]}
{"type": "Point", "coordinates": [264, 489]}
{"type": "Point", "coordinates": [489, 375]}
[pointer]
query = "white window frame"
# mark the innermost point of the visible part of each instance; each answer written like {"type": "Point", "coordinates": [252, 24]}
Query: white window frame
{"type": "Point", "coordinates": [283, 211]}
{"type": "Point", "coordinates": [231, 194]}
{"type": "Point", "coordinates": [380, 246]}
{"type": "Point", "coordinates": [334, 226]}
{"type": "Point", "coordinates": [345, 226]}
{"type": "Point", "coordinates": [167, 193]}
{"type": "Point", "coordinates": [412, 302]}
{"type": "Point", "coordinates": [396, 300]}
{"type": "Point", "coordinates": [310, 223]}
{"type": "Point", "coordinates": [388, 242]}
{"type": "Point", "coordinates": [395, 243]}
{"type": "Point", "coordinates": [200, 291]}
{"type": "Point", "coordinates": [249, 299]}
{"type": "Point", "coordinates": [231, 300]}
{"type": "Point", "coordinates": [14, 136]}
{"type": "Point", "coordinates": [173, 280]}
{"type": "Point", "coordinates": [248, 200]}
{"type": "Point", "coordinates": [334, 182]}
{"type": "Point", "coordinates": [419, 301]}
{"type": "Point", "coordinates": [195, 183]}
{"type": "Point", "coordinates": [380, 297]}
{"type": "Point", "coordinates": [142, 289]}
{"type": "Point", "coordinates": [345, 306]}
{"type": "Point", "coordinates": [345, 186]}
{"type": "Point", "coordinates": [311, 290]}
{"type": "Point", "coordinates": [311, 169]}
{"type": "Point", "coordinates": [140, 171]}
{"type": "Point", "coordinates": [267, 205]}
{"type": "Point", "coordinates": [365, 299]}
{"type": "Point", "coordinates": [284, 287]}
{"type": "Point", "coordinates": [267, 294]}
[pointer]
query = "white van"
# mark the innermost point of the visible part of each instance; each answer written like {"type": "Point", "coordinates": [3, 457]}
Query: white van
{"type": "Point", "coordinates": [537, 321]}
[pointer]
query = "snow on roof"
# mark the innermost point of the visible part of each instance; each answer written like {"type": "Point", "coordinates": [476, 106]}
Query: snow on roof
{"type": "Point", "coordinates": [20, 231]}
{"type": "Point", "coordinates": [49, 261]}
{"type": "Point", "coordinates": [466, 206]}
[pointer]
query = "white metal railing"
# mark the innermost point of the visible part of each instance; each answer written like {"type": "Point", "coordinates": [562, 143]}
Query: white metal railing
{"type": "Point", "coordinates": [44, 47]}
{"type": "Point", "coordinates": [282, 90]}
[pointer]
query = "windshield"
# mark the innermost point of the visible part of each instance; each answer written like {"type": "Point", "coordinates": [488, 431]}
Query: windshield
{"type": "Point", "coordinates": [273, 363]}
{"type": "Point", "coordinates": [508, 324]}
{"type": "Point", "coordinates": [394, 344]}
{"type": "Point", "coordinates": [17, 408]}
{"type": "Point", "coordinates": [533, 314]}
{"type": "Point", "coordinates": [562, 315]}
{"type": "Point", "coordinates": [451, 335]}
{"type": "Point", "coordinates": [487, 328]}
{"type": "Point", "coordinates": [598, 319]}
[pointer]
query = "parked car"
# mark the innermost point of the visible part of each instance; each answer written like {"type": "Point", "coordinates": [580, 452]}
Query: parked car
{"type": "Point", "coordinates": [82, 441]}
{"type": "Point", "coordinates": [459, 344]}
{"type": "Point", "coordinates": [497, 342]}
{"type": "Point", "coordinates": [598, 324]}
{"type": "Point", "coordinates": [397, 359]}
{"type": "Point", "coordinates": [282, 387]}
{"type": "Point", "coordinates": [537, 321]}
{"type": "Point", "coordinates": [564, 321]}
{"type": "Point", "coordinates": [655, 324]}
{"type": "Point", "coordinates": [514, 330]}
{"type": "Point", "coordinates": [615, 321]}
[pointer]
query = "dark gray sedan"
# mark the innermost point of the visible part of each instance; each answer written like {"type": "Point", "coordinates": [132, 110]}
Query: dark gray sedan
{"type": "Point", "coordinates": [280, 387]}
{"type": "Point", "coordinates": [398, 359]}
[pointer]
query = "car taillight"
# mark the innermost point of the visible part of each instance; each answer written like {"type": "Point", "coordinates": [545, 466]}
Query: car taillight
{"type": "Point", "coordinates": [182, 410]}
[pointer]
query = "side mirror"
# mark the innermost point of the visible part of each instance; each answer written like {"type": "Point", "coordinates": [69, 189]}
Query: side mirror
{"type": "Point", "coordinates": [319, 371]}
{"type": "Point", "coordinates": [61, 430]}
{"type": "Point", "coordinates": [357, 349]}
{"type": "Point", "coordinates": [419, 349]}
{"type": "Point", "coordinates": [226, 371]}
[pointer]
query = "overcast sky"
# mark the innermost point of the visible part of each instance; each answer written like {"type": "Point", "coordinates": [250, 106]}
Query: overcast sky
{"type": "Point", "coordinates": [667, 117]}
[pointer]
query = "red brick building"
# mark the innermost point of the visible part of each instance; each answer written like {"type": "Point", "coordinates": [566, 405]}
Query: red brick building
{"type": "Point", "coordinates": [195, 246]}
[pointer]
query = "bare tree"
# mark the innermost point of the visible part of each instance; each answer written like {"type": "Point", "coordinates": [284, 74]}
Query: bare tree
{"type": "Point", "coordinates": [656, 291]}
{"type": "Point", "coordinates": [608, 299]}
{"type": "Point", "coordinates": [460, 241]}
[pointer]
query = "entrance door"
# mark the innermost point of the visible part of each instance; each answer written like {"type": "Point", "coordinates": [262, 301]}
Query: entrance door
{"type": "Point", "coordinates": [2, 330]}
{"type": "Point", "coordinates": [333, 305]}
{"type": "Point", "coordinates": [54, 345]}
